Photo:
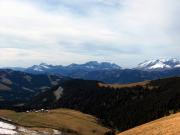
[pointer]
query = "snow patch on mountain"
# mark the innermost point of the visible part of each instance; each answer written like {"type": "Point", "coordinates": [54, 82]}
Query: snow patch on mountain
{"type": "Point", "coordinates": [44, 65]}
{"type": "Point", "coordinates": [91, 65]}
{"type": "Point", "coordinates": [41, 67]}
{"type": "Point", "coordinates": [177, 66]}
{"type": "Point", "coordinates": [159, 64]}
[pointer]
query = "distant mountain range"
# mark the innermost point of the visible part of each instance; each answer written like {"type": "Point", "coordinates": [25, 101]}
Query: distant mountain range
{"type": "Point", "coordinates": [147, 65]}
{"type": "Point", "coordinates": [67, 70]}
{"type": "Point", "coordinates": [110, 72]}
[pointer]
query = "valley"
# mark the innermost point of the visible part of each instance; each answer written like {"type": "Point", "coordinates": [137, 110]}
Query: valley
{"type": "Point", "coordinates": [50, 102]}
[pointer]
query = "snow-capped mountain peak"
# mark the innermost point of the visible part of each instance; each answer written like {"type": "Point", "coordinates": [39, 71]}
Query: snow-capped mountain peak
{"type": "Point", "coordinates": [158, 64]}
{"type": "Point", "coordinates": [40, 67]}
{"type": "Point", "coordinates": [44, 65]}
{"type": "Point", "coordinates": [94, 65]}
{"type": "Point", "coordinates": [89, 66]}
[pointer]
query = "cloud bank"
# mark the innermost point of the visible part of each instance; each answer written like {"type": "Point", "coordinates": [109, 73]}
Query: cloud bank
{"type": "Point", "coordinates": [63, 32]}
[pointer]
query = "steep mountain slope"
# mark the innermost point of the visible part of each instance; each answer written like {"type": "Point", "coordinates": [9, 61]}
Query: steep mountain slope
{"type": "Point", "coordinates": [165, 126]}
{"type": "Point", "coordinates": [118, 106]}
{"type": "Point", "coordinates": [159, 64]}
{"type": "Point", "coordinates": [17, 86]}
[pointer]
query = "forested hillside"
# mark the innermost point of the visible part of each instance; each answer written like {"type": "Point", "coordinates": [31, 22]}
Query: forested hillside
{"type": "Point", "coordinates": [118, 106]}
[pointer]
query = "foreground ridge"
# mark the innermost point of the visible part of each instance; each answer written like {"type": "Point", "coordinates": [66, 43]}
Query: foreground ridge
{"type": "Point", "coordinates": [169, 125]}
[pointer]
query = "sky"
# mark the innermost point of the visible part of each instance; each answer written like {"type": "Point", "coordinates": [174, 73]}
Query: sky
{"type": "Point", "coordinates": [61, 32]}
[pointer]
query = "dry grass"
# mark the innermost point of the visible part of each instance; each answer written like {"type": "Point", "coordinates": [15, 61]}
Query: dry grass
{"type": "Point", "coordinates": [60, 119]}
{"type": "Point", "coordinates": [169, 125]}
{"type": "Point", "coordinates": [118, 86]}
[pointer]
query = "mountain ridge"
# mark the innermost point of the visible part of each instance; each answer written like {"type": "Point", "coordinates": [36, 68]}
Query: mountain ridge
{"type": "Point", "coordinates": [152, 64]}
{"type": "Point", "coordinates": [17, 87]}
{"type": "Point", "coordinates": [159, 64]}
{"type": "Point", "coordinates": [109, 72]}
{"type": "Point", "coordinates": [88, 66]}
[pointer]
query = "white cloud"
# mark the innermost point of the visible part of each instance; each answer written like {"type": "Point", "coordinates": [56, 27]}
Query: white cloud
{"type": "Point", "coordinates": [110, 29]}
{"type": "Point", "coordinates": [21, 57]}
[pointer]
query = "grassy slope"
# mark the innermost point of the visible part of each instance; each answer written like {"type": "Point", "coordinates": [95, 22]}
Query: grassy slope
{"type": "Point", "coordinates": [61, 119]}
{"type": "Point", "coordinates": [165, 126]}
{"type": "Point", "coordinates": [118, 86]}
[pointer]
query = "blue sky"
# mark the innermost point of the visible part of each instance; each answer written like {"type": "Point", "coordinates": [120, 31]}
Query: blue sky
{"type": "Point", "coordinates": [125, 32]}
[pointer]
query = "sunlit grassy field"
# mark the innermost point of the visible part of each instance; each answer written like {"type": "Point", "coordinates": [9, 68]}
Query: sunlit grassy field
{"type": "Point", "coordinates": [169, 125]}
{"type": "Point", "coordinates": [118, 86]}
{"type": "Point", "coordinates": [66, 120]}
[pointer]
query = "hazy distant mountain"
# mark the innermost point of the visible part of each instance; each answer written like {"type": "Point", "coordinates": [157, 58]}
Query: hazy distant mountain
{"type": "Point", "coordinates": [68, 70]}
{"type": "Point", "coordinates": [41, 68]}
{"type": "Point", "coordinates": [112, 73]}
{"type": "Point", "coordinates": [126, 75]}
{"type": "Point", "coordinates": [15, 68]}
{"type": "Point", "coordinates": [159, 64]}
